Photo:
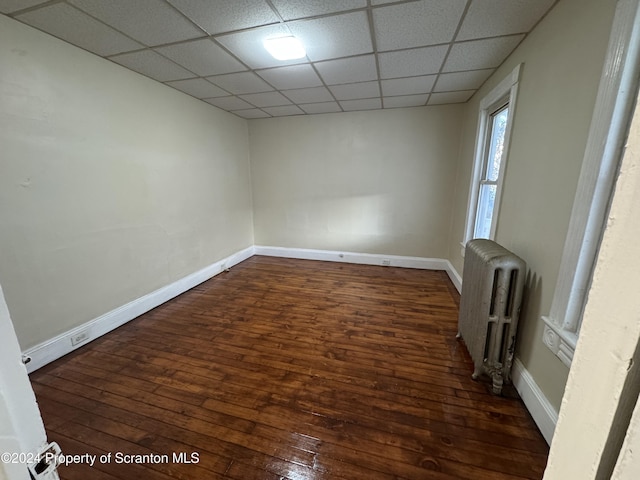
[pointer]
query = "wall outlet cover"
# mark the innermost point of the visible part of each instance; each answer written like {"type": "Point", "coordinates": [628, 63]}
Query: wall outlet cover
{"type": "Point", "coordinates": [80, 337]}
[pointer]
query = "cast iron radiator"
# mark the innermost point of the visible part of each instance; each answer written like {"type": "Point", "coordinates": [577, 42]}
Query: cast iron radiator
{"type": "Point", "coordinates": [493, 279]}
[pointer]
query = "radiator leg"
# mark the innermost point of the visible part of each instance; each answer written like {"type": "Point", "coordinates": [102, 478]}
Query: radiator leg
{"type": "Point", "coordinates": [497, 382]}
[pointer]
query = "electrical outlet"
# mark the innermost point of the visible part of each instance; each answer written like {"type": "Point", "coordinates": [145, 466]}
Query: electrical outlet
{"type": "Point", "coordinates": [386, 262]}
{"type": "Point", "coordinates": [80, 337]}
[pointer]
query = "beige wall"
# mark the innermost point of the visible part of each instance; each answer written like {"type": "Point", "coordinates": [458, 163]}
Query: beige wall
{"type": "Point", "coordinates": [369, 182]}
{"type": "Point", "coordinates": [563, 59]}
{"type": "Point", "coordinates": [111, 186]}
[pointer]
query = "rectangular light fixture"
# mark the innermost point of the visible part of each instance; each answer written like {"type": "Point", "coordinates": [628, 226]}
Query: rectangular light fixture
{"type": "Point", "coordinates": [284, 48]}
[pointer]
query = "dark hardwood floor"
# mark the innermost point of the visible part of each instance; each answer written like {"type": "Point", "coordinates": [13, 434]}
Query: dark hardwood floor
{"type": "Point", "coordinates": [289, 369]}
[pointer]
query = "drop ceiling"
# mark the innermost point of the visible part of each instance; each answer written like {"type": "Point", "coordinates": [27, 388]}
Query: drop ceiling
{"type": "Point", "coordinates": [361, 54]}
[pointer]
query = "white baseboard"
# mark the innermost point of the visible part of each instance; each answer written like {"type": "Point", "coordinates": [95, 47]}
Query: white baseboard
{"type": "Point", "coordinates": [365, 259]}
{"type": "Point", "coordinates": [352, 257]}
{"type": "Point", "coordinates": [60, 345]}
{"type": "Point", "coordinates": [455, 277]}
{"type": "Point", "coordinates": [422, 263]}
{"type": "Point", "coordinates": [543, 413]}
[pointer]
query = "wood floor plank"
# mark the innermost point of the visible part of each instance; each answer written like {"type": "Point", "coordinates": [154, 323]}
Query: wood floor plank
{"type": "Point", "coordinates": [288, 369]}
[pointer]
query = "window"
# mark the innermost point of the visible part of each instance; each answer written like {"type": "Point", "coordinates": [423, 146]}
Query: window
{"type": "Point", "coordinates": [492, 145]}
{"type": "Point", "coordinates": [610, 121]}
{"type": "Point", "coordinates": [490, 173]}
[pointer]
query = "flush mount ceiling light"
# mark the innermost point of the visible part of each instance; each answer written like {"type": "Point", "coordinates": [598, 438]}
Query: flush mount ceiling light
{"type": "Point", "coordinates": [284, 48]}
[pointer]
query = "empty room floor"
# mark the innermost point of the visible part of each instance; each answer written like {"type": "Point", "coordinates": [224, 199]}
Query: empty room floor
{"type": "Point", "coordinates": [289, 369]}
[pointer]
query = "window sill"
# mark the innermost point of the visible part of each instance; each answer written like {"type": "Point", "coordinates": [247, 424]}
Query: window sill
{"type": "Point", "coordinates": [561, 342]}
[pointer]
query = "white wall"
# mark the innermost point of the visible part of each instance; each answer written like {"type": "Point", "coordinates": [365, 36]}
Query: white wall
{"type": "Point", "coordinates": [563, 58]}
{"type": "Point", "coordinates": [111, 186]}
{"type": "Point", "coordinates": [21, 427]}
{"type": "Point", "coordinates": [369, 182]}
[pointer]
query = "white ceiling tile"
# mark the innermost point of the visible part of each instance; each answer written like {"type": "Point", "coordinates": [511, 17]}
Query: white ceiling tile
{"type": "Point", "coordinates": [479, 54]}
{"type": "Point", "coordinates": [243, 82]}
{"type": "Point", "coordinates": [450, 97]}
{"type": "Point", "coordinates": [229, 103]}
{"type": "Point", "coordinates": [354, 91]}
{"type": "Point", "coordinates": [405, 101]}
{"type": "Point", "coordinates": [152, 22]}
{"type": "Point", "coordinates": [333, 37]}
{"type": "Point", "coordinates": [283, 111]}
{"type": "Point", "coordinates": [309, 8]}
{"type": "Point", "coordinates": [493, 18]}
{"type": "Point", "coordinates": [203, 57]}
{"type": "Point", "coordinates": [295, 76]}
{"type": "Point", "coordinates": [408, 86]}
{"type": "Point", "coordinates": [339, 71]}
{"type": "Point", "coordinates": [74, 26]}
{"type": "Point", "coordinates": [248, 47]}
{"type": "Point", "coordinates": [308, 95]}
{"type": "Point", "coordinates": [218, 16]}
{"type": "Point", "coordinates": [151, 64]}
{"type": "Point", "coordinates": [198, 87]}
{"type": "Point", "coordinates": [409, 25]}
{"type": "Point", "coordinates": [348, 70]}
{"type": "Point", "coordinates": [10, 6]}
{"type": "Point", "coordinates": [327, 107]}
{"type": "Point", "coordinates": [267, 99]}
{"type": "Point", "coordinates": [251, 113]}
{"type": "Point", "coordinates": [448, 82]}
{"type": "Point", "coordinates": [409, 63]}
{"type": "Point", "coordinates": [367, 104]}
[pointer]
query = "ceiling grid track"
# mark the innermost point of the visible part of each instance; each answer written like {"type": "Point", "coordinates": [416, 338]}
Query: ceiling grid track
{"type": "Point", "coordinates": [360, 54]}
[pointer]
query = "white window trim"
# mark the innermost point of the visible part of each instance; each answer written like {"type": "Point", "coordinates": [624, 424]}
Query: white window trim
{"type": "Point", "coordinates": [506, 90]}
{"type": "Point", "coordinates": [605, 144]}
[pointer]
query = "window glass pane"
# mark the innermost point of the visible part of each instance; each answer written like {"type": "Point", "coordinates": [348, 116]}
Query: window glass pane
{"type": "Point", "coordinates": [486, 200]}
{"type": "Point", "coordinates": [496, 145]}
